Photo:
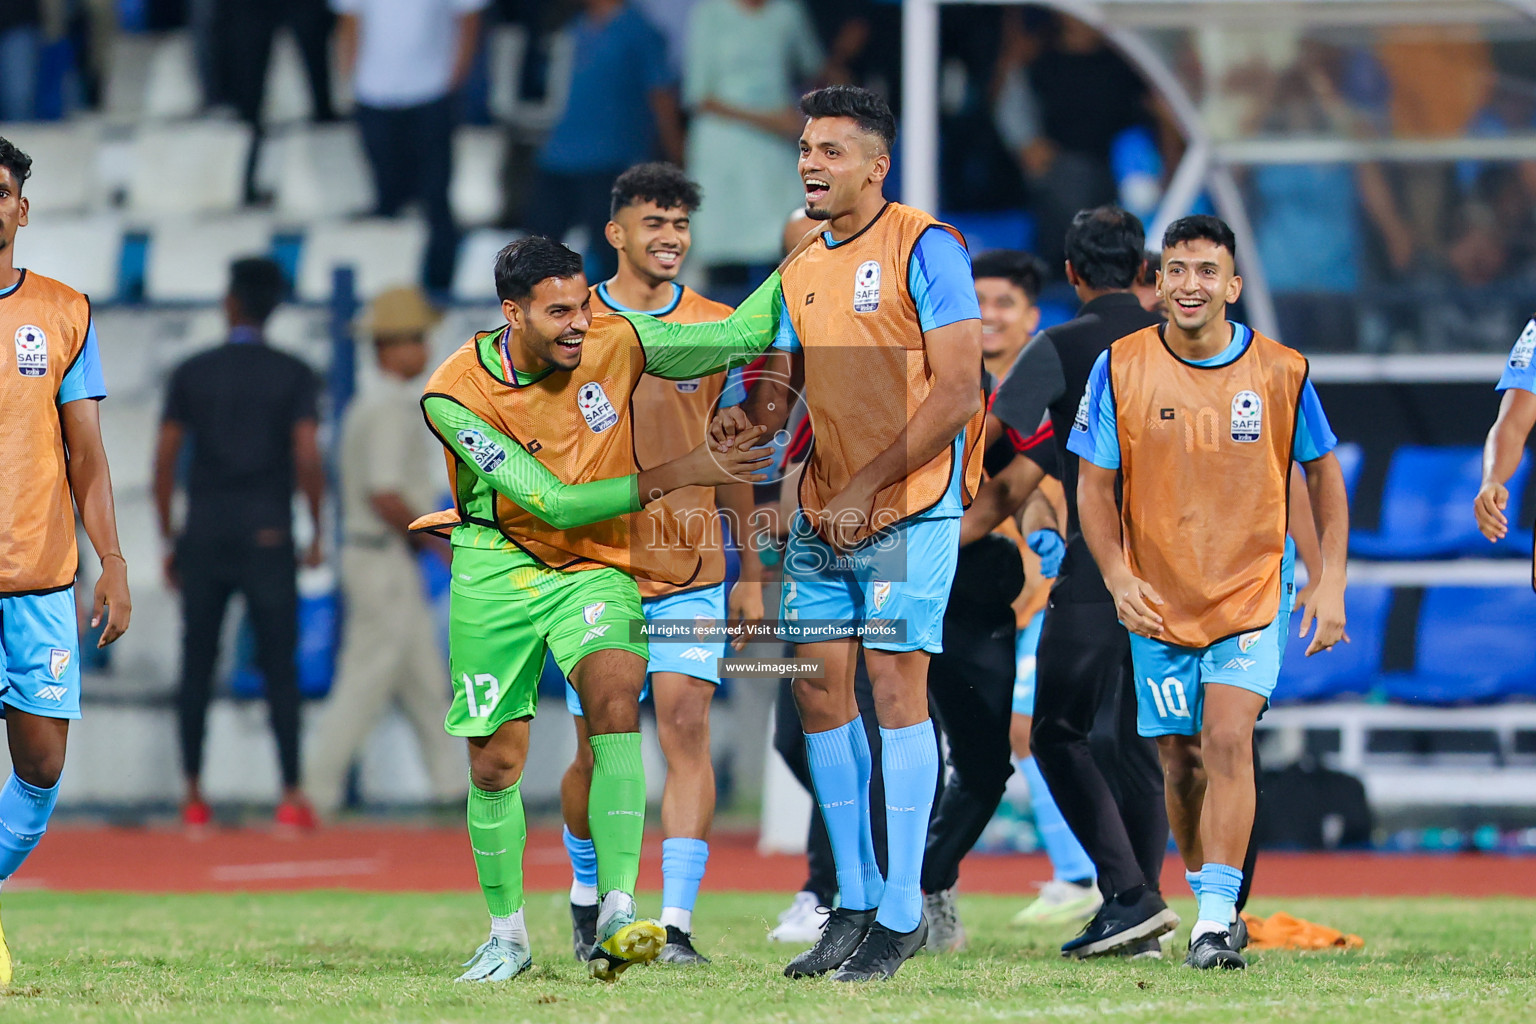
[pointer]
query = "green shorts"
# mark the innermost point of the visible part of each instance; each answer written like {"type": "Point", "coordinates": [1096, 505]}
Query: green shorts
{"type": "Point", "coordinates": [505, 613]}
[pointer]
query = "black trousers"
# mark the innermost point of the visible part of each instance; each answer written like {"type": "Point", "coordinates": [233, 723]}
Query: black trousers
{"type": "Point", "coordinates": [1106, 778]}
{"type": "Point", "coordinates": [410, 151]}
{"type": "Point", "coordinates": [211, 573]}
{"type": "Point", "coordinates": [560, 202]}
{"type": "Point", "coordinates": [970, 689]}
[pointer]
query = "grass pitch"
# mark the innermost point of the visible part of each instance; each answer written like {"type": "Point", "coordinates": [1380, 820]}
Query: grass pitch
{"type": "Point", "coordinates": [374, 958]}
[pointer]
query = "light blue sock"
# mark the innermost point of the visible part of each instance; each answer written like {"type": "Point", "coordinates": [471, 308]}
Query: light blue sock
{"type": "Point", "coordinates": [1219, 885]}
{"type": "Point", "coordinates": [682, 869]}
{"type": "Point", "coordinates": [24, 813]}
{"type": "Point", "coordinates": [1193, 878]}
{"type": "Point", "coordinates": [583, 859]}
{"type": "Point", "coordinates": [835, 776]}
{"type": "Point", "coordinates": [1069, 861]}
{"type": "Point", "coordinates": [910, 759]}
{"type": "Point", "coordinates": [874, 881]}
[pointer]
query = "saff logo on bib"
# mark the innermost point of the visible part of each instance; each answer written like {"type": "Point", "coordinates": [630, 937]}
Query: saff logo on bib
{"type": "Point", "coordinates": [31, 351]}
{"type": "Point", "coordinates": [1247, 417]}
{"type": "Point", "coordinates": [866, 287]}
{"type": "Point", "coordinates": [595, 407]}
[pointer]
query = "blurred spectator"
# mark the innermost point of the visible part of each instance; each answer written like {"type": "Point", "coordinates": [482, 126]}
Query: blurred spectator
{"type": "Point", "coordinates": [243, 37]}
{"type": "Point", "coordinates": [248, 414]}
{"type": "Point", "coordinates": [671, 17]}
{"type": "Point", "coordinates": [407, 59]}
{"type": "Point", "coordinates": [747, 62]}
{"type": "Point", "coordinates": [390, 652]}
{"type": "Point", "coordinates": [21, 40]}
{"type": "Point", "coordinates": [1063, 96]}
{"type": "Point", "coordinates": [621, 107]}
{"type": "Point", "coordinates": [1145, 285]}
{"type": "Point", "coordinates": [863, 39]}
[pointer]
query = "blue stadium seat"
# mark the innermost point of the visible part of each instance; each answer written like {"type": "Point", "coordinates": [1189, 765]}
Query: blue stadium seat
{"type": "Point", "coordinates": [1347, 669]}
{"type": "Point", "coordinates": [1003, 229]}
{"type": "Point", "coordinates": [1474, 646]}
{"type": "Point", "coordinates": [1426, 508]}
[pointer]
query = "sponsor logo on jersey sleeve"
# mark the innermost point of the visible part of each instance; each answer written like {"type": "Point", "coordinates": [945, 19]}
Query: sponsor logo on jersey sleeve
{"type": "Point", "coordinates": [31, 351]}
{"type": "Point", "coordinates": [866, 287]}
{"type": "Point", "coordinates": [1080, 421]}
{"type": "Point", "coordinates": [595, 407]}
{"type": "Point", "coordinates": [1519, 356]}
{"type": "Point", "coordinates": [1247, 417]}
{"type": "Point", "coordinates": [487, 454]}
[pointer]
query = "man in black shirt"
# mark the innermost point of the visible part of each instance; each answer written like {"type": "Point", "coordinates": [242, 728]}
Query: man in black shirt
{"type": "Point", "coordinates": [248, 413]}
{"type": "Point", "coordinates": [1110, 790]}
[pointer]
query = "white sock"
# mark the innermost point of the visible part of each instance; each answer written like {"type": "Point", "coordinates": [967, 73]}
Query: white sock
{"type": "Point", "coordinates": [510, 929]}
{"type": "Point", "coordinates": [1206, 927]}
{"type": "Point", "coordinates": [617, 901]}
{"type": "Point", "coordinates": [678, 918]}
{"type": "Point", "coordinates": [583, 895]}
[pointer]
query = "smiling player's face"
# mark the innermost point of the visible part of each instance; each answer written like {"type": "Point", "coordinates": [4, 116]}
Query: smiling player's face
{"type": "Point", "coordinates": [652, 240]}
{"type": "Point", "coordinates": [1197, 282]}
{"type": "Point", "coordinates": [551, 324]}
{"type": "Point", "coordinates": [838, 161]}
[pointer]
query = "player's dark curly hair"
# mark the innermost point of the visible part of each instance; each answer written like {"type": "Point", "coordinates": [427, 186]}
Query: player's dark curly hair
{"type": "Point", "coordinates": [257, 285]}
{"type": "Point", "coordinates": [527, 261]}
{"type": "Point", "coordinates": [871, 112]}
{"type": "Point", "coordinates": [15, 161]}
{"type": "Point", "coordinates": [1024, 270]}
{"type": "Point", "coordinates": [1200, 227]}
{"type": "Point", "coordinates": [1104, 247]}
{"type": "Point", "coordinates": [660, 183]}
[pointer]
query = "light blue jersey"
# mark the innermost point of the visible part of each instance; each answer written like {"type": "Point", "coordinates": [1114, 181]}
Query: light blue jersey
{"type": "Point", "coordinates": [1519, 371]}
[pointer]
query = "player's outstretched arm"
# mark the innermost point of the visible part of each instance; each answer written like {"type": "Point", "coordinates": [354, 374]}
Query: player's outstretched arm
{"type": "Point", "coordinates": [1330, 510]}
{"type": "Point", "coordinates": [1000, 497]}
{"type": "Point", "coordinates": [684, 351]}
{"type": "Point", "coordinates": [91, 482]}
{"type": "Point", "coordinates": [1100, 519]}
{"type": "Point", "coordinates": [1501, 457]}
{"type": "Point", "coordinates": [502, 463]}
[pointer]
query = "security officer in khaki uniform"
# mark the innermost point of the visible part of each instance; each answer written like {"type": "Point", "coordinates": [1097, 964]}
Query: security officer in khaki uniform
{"type": "Point", "coordinates": [390, 650]}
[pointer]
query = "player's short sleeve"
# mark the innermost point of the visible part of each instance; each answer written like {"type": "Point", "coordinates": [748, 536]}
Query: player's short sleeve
{"type": "Point", "coordinates": [787, 340]}
{"type": "Point", "coordinates": [1314, 437]}
{"type": "Point", "coordinates": [939, 278]}
{"type": "Point", "coordinates": [84, 379]}
{"type": "Point", "coordinates": [1519, 371]}
{"type": "Point", "coordinates": [1095, 434]}
{"type": "Point", "coordinates": [735, 388]}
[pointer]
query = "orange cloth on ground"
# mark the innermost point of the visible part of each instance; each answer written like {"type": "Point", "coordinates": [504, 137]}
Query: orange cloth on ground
{"type": "Point", "coordinates": [1282, 931]}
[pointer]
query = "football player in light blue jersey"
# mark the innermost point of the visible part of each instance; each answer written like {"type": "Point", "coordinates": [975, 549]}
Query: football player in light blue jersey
{"type": "Point", "coordinates": [1506, 438]}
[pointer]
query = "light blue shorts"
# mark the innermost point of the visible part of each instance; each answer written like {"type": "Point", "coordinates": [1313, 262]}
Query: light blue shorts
{"type": "Point", "coordinates": [891, 591]}
{"type": "Point", "coordinates": [1024, 667]}
{"type": "Point", "coordinates": [40, 654]}
{"type": "Point", "coordinates": [699, 659]}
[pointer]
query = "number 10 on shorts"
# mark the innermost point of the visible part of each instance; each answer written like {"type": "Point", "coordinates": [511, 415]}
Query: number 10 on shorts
{"type": "Point", "coordinates": [490, 689]}
{"type": "Point", "coordinates": [1167, 695]}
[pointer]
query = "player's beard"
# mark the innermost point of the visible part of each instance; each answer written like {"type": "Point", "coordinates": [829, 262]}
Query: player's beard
{"type": "Point", "coordinates": [812, 213]}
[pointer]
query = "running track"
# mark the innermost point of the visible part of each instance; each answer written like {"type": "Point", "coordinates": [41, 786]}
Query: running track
{"type": "Point", "coordinates": [75, 858]}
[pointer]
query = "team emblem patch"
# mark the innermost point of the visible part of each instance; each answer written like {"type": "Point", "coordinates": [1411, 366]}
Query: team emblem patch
{"type": "Point", "coordinates": [880, 591]}
{"type": "Point", "coordinates": [487, 454]}
{"type": "Point", "coordinates": [866, 287]}
{"type": "Point", "coordinates": [1247, 640]}
{"type": "Point", "coordinates": [31, 351]}
{"type": "Point", "coordinates": [1247, 417]}
{"type": "Point", "coordinates": [595, 407]}
{"type": "Point", "coordinates": [687, 387]}
{"type": "Point", "coordinates": [1519, 356]}
{"type": "Point", "coordinates": [592, 612]}
{"type": "Point", "coordinates": [58, 662]}
{"type": "Point", "coordinates": [703, 625]}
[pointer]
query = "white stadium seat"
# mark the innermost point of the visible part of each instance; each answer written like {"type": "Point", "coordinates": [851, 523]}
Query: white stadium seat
{"type": "Point", "coordinates": [383, 252]}
{"type": "Point", "coordinates": [152, 76]}
{"type": "Point", "coordinates": [473, 276]}
{"type": "Point", "coordinates": [63, 165]}
{"type": "Point", "coordinates": [287, 96]}
{"type": "Point", "coordinates": [83, 252]}
{"type": "Point", "coordinates": [323, 173]}
{"type": "Point", "coordinates": [195, 167]}
{"type": "Point", "coordinates": [478, 155]}
{"type": "Point", "coordinates": [189, 260]}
